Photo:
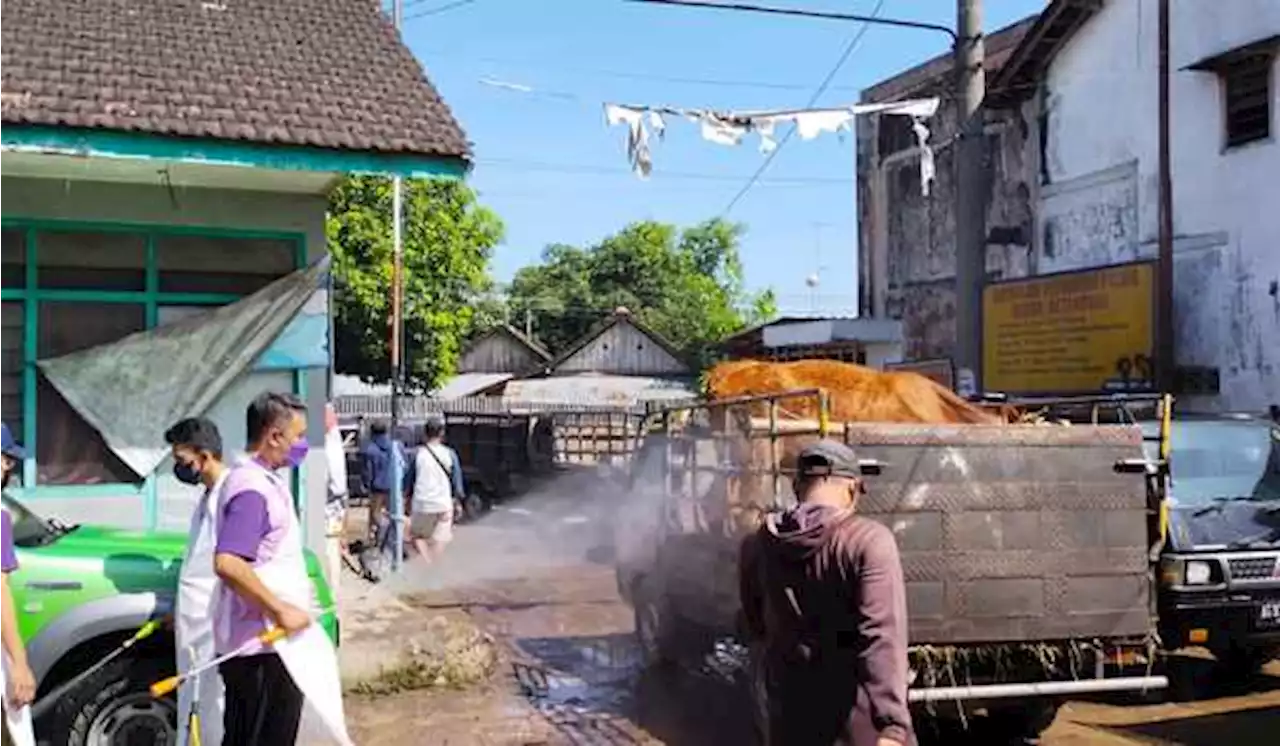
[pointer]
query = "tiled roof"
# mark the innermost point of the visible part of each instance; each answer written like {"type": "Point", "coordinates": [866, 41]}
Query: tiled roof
{"type": "Point", "coordinates": [321, 73]}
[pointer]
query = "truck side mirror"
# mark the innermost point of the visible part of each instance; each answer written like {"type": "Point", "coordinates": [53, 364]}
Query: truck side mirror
{"type": "Point", "coordinates": [870, 467]}
{"type": "Point", "coordinates": [1137, 466]}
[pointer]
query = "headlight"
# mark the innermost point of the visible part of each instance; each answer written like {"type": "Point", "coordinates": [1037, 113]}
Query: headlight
{"type": "Point", "coordinates": [1176, 571]}
{"type": "Point", "coordinates": [1197, 572]}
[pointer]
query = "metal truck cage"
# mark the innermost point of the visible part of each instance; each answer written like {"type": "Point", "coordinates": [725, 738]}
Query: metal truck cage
{"type": "Point", "coordinates": [942, 488]}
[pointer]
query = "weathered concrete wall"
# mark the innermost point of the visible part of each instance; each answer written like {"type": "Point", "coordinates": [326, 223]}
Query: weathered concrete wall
{"type": "Point", "coordinates": [56, 199]}
{"type": "Point", "coordinates": [1099, 204]}
{"type": "Point", "coordinates": [907, 239]}
{"type": "Point", "coordinates": [1073, 184]}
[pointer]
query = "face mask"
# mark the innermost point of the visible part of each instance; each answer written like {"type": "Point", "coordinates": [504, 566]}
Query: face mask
{"type": "Point", "coordinates": [186, 473]}
{"type": "Point", "coordinates": [297, 453]}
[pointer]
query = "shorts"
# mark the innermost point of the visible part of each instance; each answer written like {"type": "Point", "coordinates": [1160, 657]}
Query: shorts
{"type": "Point", "coordinates": [335, 518]}
{"type": "Point", "coordinates": [434, 527]}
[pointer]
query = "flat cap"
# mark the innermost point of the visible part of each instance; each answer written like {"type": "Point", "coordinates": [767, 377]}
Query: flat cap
{"type": "Point", "coordinates": [829, 458]}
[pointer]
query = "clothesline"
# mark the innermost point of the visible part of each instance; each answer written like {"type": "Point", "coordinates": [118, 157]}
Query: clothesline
{"type": "Point", "coordinates": [729, 127]}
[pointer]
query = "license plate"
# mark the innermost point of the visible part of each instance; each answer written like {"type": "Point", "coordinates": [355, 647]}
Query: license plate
{"type": "Point", "coordinates": [1269, 613]}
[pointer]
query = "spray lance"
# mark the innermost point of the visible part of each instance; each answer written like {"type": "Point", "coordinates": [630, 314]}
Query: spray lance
{"type": "Point", "coordinates": [265, 637]}
{"type": "Point", "coordinates": [46, 702]}
{"type": "Point", "coordinates": [167, 686]}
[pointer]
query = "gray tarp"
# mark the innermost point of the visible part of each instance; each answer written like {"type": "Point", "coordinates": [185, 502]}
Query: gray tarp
{"type": "Point", "coordinates": [131, 390]}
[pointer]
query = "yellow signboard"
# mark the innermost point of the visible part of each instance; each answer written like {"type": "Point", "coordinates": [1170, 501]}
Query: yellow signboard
{"type": "Point", "coordinates": [1074, 332]}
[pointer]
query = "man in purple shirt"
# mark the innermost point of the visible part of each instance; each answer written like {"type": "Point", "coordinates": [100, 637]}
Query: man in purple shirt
{"type": "Point", "coordinates": [20, 683]}
{"type": "Point", "coordinates": [263, 703]}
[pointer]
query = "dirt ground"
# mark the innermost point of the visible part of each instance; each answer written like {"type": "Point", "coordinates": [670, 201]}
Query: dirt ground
{"type": "Point", "coordinates": [535, 575]}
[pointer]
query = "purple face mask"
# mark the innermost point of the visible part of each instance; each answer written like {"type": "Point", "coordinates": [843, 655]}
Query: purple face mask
{"type": "Point", "coordinates": [297, 453]}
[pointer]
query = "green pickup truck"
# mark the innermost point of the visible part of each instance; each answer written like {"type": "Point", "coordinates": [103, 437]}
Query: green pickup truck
{"type": "Point", "coordinates": [81, 591]}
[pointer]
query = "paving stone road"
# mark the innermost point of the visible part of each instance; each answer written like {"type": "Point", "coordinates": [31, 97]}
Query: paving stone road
{"type": "Point", "coordinates": [535, 574]}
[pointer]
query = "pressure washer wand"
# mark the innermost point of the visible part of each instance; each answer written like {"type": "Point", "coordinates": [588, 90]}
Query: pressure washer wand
{"type": "Point", "coordinates": [165, 686]}
{"type": "Point", "coordinates": [265, 637]}
{"type": "Point", "coordinates": [193, 722]}
{"type": "Point", "coordinates": [41, 707]}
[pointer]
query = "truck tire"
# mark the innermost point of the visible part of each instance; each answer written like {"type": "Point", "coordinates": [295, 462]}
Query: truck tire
{"type": "Point", "coordinates": [1235, 668]}
{"type": "Point", "coordinates": [666, 639]}
{"type": "Point", "coordinates": [655, 628]}
{"type": "Point", "coordinates": [1189, 678]}
{"type": "Point", "coordinates": [469, 508]}
{"type": "Point", "coordinates": [115, 705]}
{"type": "Point", "coordinates": [475, 505]}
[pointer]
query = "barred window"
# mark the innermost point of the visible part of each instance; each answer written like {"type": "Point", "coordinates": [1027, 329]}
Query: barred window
{"type": "Point", "coordinates": [1247, 84]}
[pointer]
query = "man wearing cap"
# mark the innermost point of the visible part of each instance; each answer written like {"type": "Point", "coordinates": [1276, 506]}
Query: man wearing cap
{"type": "Point", "coordinates": [824, 604]}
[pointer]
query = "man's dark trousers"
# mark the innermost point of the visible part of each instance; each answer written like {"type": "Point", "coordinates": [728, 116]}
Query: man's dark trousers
{"type": "Point", "coordinates": [263, 706]}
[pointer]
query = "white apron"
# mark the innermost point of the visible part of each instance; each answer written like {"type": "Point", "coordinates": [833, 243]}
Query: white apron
{"type": "Point", "coordinates": [17, 722]}
{"type": "Point", "coordinates": [193, 624]}
{"type": "Point", "coordinates": [309, 656]}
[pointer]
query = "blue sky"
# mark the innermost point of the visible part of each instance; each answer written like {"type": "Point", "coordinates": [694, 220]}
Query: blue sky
{"type": "Point", "coordinates": [547, 163]}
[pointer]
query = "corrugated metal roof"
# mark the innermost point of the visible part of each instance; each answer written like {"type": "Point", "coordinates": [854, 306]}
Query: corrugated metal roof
{"type": "Point", "coordinates": [466, 384]}
{"type": "Point", "coordinates": [600, 389]}
{"type": "Point", "coordinates": [345, 385]}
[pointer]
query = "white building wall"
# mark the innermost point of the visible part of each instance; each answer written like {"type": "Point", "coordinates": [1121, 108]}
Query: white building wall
{"type": "Point", "coordinates": [1100, 205]}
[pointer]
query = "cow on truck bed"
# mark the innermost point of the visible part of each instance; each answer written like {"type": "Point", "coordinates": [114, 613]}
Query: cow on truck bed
{"type": "Point", "coordinates": [1025, 548]}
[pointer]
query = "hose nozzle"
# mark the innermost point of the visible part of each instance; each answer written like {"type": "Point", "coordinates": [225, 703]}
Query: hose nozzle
{"type": "Point", "coordinates": [165, 686]}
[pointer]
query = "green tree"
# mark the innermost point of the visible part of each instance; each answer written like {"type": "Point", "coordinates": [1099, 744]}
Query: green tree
{"type": "Point", "coordinates": [448, 241]}
{"type": "Point", "coordinates": [685, 285]}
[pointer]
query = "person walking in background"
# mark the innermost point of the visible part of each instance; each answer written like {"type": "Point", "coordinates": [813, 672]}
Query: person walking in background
{"type": "Point", "coordinates": [375, 462]}
{"type": "Point", "coordinates": [824, 605]}
{"type": "Point", "coordinates": [196, 447]}
{"type": "Point", "coordinates": [19, 682]}
{"type": "Point", "coordinates": [437, 481]}
{"type": "Point", "coordinates": [376, 467]}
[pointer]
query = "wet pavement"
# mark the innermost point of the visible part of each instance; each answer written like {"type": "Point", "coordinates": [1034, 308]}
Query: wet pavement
{"type": "Point", "coordinates": [536, 576]}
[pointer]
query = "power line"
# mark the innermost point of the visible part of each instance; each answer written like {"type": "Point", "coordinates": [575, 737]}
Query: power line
{"type": "Point", "coordinates": [873, 18]}
{"type": "Point", "coordinates": [550, 307]}
{"type": "Point", "coordinates": [434, 10]}
{"type": "Point", "coordinates": [822, 88]}
{"type": "Point", "coordinates": [620, 191]}
{"type": "Point", "coordinates": [526, 64]}
{"type": "Point", "coordinates": [517, 164]}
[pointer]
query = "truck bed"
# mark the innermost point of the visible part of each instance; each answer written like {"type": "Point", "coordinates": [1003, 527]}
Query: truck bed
{"type": "Point", "coordinates": [1013, 533]}
{"type": "Point", "coordinates": [1008, 533]}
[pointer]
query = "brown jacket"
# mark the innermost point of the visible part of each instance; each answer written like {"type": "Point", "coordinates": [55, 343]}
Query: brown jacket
{"type": "Point", "coordinates": [824, 602]}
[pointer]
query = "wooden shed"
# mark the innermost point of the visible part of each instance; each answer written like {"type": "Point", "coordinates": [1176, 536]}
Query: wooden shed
{"type": "Point", "coordinates": [503, 349]}
{"type": "Point", "coordinates": [621, 346]}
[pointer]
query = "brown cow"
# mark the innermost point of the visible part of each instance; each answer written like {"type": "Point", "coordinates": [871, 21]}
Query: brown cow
{"type": "Point", "coordinates": [856, 393]}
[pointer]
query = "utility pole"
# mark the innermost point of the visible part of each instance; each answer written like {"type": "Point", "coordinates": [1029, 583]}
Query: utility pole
{"type": "Point", "coordinates": [396, 495]}
{"type": "Point", "coordinates": [969, 178]}
{"type": "Point", "coordinates": [1165, 360]}
{"type": "Point", "coordinates": [970, 191]}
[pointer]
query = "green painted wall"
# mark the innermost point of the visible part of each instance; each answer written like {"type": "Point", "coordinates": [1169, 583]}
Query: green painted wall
{"type": "Point", "coordinates": [196, 208]}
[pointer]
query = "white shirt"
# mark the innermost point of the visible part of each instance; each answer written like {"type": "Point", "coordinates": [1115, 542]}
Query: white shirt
{"type": "Point", "coordinates": [433, 486]}
{"type": "Point", "coordinates": [336, 459]}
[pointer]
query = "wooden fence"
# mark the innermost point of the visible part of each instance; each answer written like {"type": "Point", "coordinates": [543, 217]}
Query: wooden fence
{"type": "Point", "coordinates": [579, 433]}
